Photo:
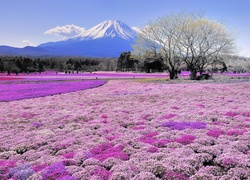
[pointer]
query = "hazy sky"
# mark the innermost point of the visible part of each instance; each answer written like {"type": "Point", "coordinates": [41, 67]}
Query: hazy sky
{"type": "Point", "coordinates": [32, 22]}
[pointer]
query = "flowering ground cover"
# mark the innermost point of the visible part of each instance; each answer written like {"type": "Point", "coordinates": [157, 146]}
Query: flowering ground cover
{"type": "Point", "coordinates": [8, 78]}
{"type": "Point", "coordinates": [87, 75]}
{"type": "Point", "coordinates": [14, 90]}
{"type": "Point", "coordinates": [126, 129]}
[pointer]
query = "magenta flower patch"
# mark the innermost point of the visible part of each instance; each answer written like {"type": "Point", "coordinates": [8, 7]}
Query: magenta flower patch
{"type": "Point", "coordinates": [55, 171]}
{"type": "Point", "coordinates": [104, 116]}
{"type": "Point", "coordinates": [138, 127]}
{"type": "Point", "coordinates": [235, 132]}
{"type": "Point", "coordinates": [175, 107]}
{"type": "Point", "coordinates": [146, 116]}
{"type": "Point", "coordinates": [150, 139]}
{"type": "Point", "coordinates": [11, 92]}
{"type": "Point", "coordinates": [69, 155]}
{"type": "Point", "coordinates": [214, 133]}
{"type": "Point", "coordinates": [153, 149]}
{"type": "Point", "coordinates": [184, 125]}
{"type": "Point", "coordinates": [246, 114]}
{"type": "Point", "coordinates": [5, 166]}
{"type": "Point", "coordinates": [167, 116]}
{"type": "Point", "coordinates": [106, 150]}
{"type": "Point", "coordinates": [230, 114]}
{"type": "Point", "coordinates": [186, 139]}
{"type": "Point", "coordinates": [27, 115]}
{"type": "Point", "coordinates": [39, 167]}
{"type": "Point", "coordinates": [201, 105]}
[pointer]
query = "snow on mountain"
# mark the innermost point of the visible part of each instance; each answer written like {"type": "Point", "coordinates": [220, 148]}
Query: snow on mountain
{"type": "Point", "coordinates": [108, 29]}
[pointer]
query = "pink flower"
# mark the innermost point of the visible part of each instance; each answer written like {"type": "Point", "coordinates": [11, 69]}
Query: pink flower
{"type": "Point", "coordinates": [167, 116]}
{"type": "Point", "coordinates": [106, 150]}
{"type": "Point", "coordinates": [69, 155]}
{"type": "Point", "coordinates": [214, 133]}
{"type": "Point", "coordinates": [186, 139]}
{"type": "Point", "coordinates": [235, 132]}
{"type": "Point", "coordinates": [231, 114]}
{"type": "Point", "coordinates": [201, 105]}
{"type": "Point", "coordinates": [171, 175]}
{"type": "Point", "coordinates": [104, 116]}
{"type": "Point", "coordinates": [153, 149]}
{"type": "Point", "coordinates": [175, 107]}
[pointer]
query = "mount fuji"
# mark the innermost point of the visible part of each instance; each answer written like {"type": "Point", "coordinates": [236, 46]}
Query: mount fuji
{"type": "Point", "coordinates": [107, 39]}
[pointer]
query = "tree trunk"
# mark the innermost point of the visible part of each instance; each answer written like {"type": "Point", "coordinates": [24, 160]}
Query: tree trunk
{"type": "Point", "coordinates": [193, 74]}
{"type": "Point", "coordinates": [172, 74]}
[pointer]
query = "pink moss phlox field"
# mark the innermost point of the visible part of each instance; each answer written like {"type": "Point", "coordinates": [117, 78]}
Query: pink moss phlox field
{"type": "Point", "coordinates": [127, 129]}
{"type": "Point", "coordinates": [10, 92]}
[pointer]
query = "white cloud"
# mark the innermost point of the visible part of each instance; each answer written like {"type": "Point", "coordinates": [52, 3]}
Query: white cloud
{"type": "Point", "coordinates": [28, 43]}
{"type": "Point", "coordinates": [66, 31]}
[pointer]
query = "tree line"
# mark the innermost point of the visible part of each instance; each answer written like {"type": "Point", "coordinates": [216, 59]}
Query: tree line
{"type": "Point", "coordinates": [21, 64]}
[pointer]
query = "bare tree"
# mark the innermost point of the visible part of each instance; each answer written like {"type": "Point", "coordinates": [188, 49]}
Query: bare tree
{"type": "Point", "coordinates": [204, 42]}
{"type": "Point", "coordinates": [160, 38]}
{"type": "Point", "coordinates": [183, 37]}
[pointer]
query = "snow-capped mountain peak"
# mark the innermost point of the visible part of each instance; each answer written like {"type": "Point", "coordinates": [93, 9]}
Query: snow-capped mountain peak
{"type": "Point", "coordinates": [109, 28]}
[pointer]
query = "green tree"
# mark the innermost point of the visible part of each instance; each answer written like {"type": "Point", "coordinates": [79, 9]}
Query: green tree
{"type": "Point", "coordinates": [126, 62]}
{"type": "Point", "coordinates": [40, 67]}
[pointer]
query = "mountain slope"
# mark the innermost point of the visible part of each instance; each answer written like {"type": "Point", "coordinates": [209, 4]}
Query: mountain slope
{"type": "Point", "coordinates": [109, 29]}
{"type": "Point", "coordinates": [107, 39]}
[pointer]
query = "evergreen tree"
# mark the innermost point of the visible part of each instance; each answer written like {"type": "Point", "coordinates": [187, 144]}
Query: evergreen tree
{"type": "Point", "coordinates": [2, 69]}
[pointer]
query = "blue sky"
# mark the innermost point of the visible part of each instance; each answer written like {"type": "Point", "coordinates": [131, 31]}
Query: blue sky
{"type": "Point", "coordinates": [25, 22]}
